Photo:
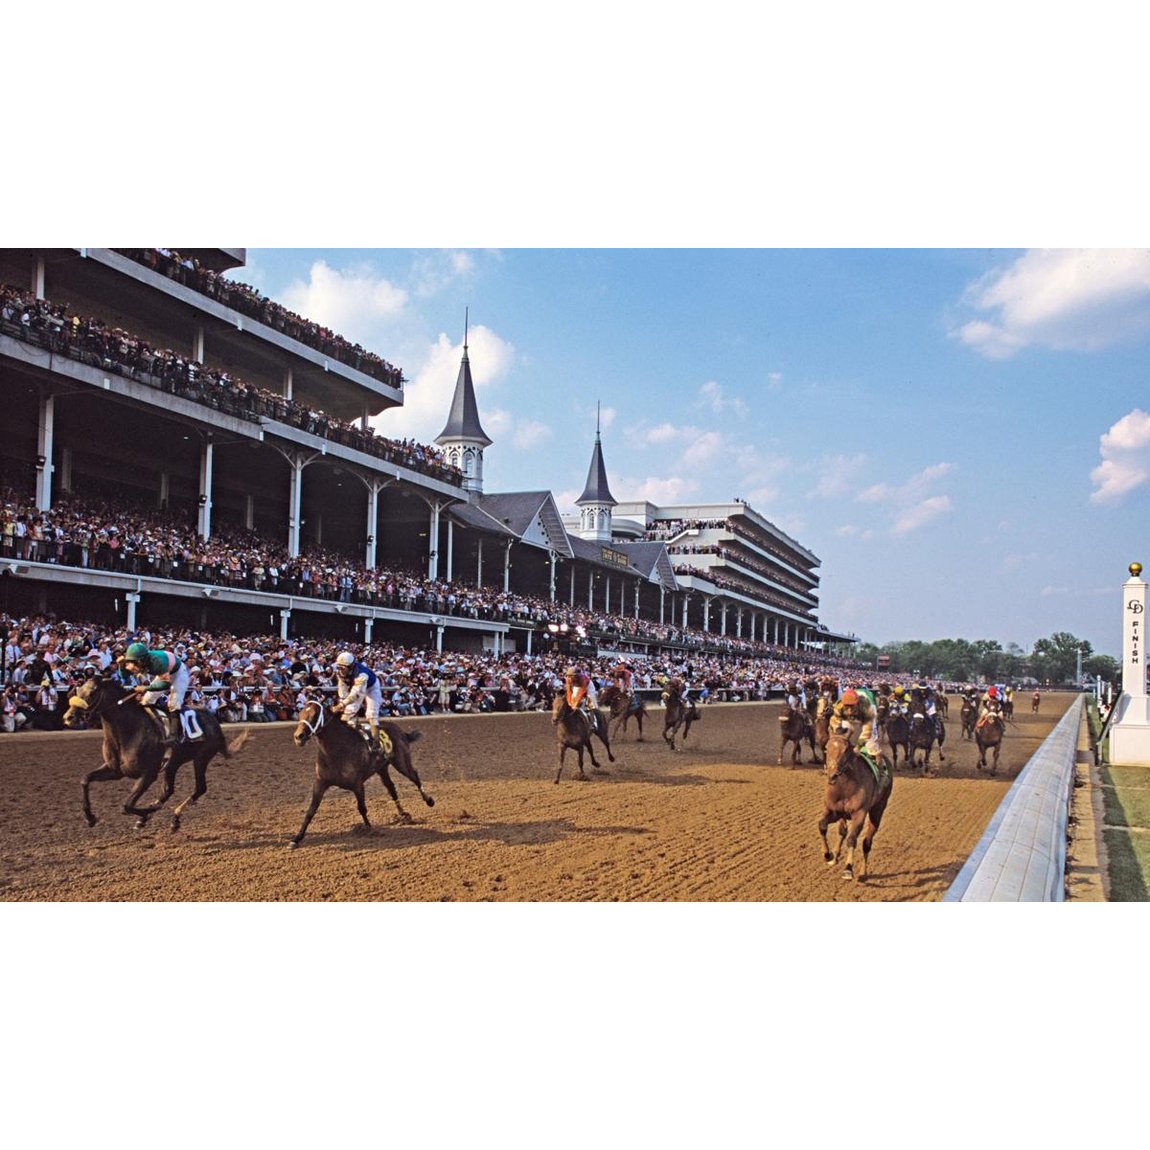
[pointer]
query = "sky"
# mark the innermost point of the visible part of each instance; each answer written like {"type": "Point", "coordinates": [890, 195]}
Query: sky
{"type": "Point", "coordinates": [962, 436]}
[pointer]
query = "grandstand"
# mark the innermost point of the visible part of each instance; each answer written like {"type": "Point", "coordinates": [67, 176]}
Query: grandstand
{"type": "Point", "coordinates": [205, 458]}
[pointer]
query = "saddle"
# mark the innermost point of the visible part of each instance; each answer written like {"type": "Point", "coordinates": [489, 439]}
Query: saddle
{"type": "Point", "coordinates": [383, 743]}
{"type": "Point", "coordinates": [191, 730]}
{"type": "Point", "coordinates": [880, 768]}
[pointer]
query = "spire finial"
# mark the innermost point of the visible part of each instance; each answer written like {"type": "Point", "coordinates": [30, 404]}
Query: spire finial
{"type": "Point", "coordinates": [597, 403]}
{"type": "Point", "coordinates": [465, 319]}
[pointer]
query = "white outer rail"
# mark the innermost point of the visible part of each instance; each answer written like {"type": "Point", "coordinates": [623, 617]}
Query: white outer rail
{"type": "Point", "coordinates": [1021, 856]}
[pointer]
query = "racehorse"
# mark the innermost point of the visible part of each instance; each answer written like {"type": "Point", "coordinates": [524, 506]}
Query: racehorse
{"type": "Point", "coordinates": [823, 724]}
{"type": "Point", "coordinates": [1008, 710]}
{"type": "Point", "coordinates": [988, 735]}
{"type": "Point", "coordinates": [943, 704]}
{"type": "Point", "coordinates": [1034, 703]}
{"type": "Point", "coordinates": [134, 747]}
{"type": "Point", "coordinates": [573, 730]}
{"type": "Point", "coordinates": [923, 732]}
{"type": "Point", "coordinates": [898, 735]}
{"type": "Point", "coordinates": [794, 727]}
{"type": "Point", "coordinates": [969, 714]}
{"type": "Point", "coordinates": [622, 707]}
{"type": "Point", "coordinates": [344, 758]}
{"type": "Point", "coordinates": [856, 794]}
{"type": "Point", "coordinates": [676, 714]}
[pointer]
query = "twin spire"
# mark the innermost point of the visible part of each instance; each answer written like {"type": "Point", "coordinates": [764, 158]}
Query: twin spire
{"type": "Point", "coordinates": [463, 440]}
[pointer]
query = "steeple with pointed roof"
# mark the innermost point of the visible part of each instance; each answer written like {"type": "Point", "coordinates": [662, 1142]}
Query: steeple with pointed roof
{"type": "Point", "coordinates": [596, 502]}
{"type": "Point", "coordinates": [463, 438]}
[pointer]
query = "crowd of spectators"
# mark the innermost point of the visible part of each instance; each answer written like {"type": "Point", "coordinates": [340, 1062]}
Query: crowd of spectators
{"type": "Point", "coordinates": [188, 271]}
{"type": "Point", "coordinates": [92, 340]}
{"type": "Point", "coordinates": [111, 535]}
{"type": "Point", "coordinates": [264, 678]}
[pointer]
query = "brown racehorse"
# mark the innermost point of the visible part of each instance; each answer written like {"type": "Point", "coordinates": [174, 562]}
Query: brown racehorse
{"type": "Point", "coordinates": [924, 731]}
{"type": "Point", "coordinates": [676, 714]}
{"type": "Point", "coordinates": [134, 749]}
{"type": "Point", "coordinates": [823, 724]}
{"type": "Point", "coordinates": [1034, 703]}
{"type": "Point", "coordinates": [622, 707]}
{"type": "Point", "coordinates": [345, 759]}
{"type": "Point", "coordinates": [988, 736]}
{"type": "Point", "coordinates": [969, 714]}
{"type": "Point", "coordinates": [573, 731]}
{"type": "Point", "coordinates": [794, 727]}
{"type": "Point", "coordinates": [856, 795]}
{"type": "Point", "coordinates": [898, 735]}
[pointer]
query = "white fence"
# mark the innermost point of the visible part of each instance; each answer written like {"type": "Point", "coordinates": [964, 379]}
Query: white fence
{"type": "Point", "coordinates": [1021, 857]}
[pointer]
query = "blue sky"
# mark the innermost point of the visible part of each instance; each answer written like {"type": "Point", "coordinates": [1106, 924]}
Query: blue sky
{"type": "Point", "coordinates": [960, 435]}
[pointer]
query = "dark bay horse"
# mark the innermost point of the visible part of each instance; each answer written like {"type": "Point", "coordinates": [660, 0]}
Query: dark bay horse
{"type": "Point", "coordinates": [898, 735]}
{"type": "Point", "coordinates": [823, 724]}
{"type": "Point", "coordinates": [794, 727]}
{"type": "Point", "coordinates": [856, 795]}
{"type": "Point", "coordinates": [988, 735]}
{"type": "Point", "coordinates": [573, 731]}
{"type": "Point", "coordinates": [969, 715]}
{"type": "Point", "coordinates": [678, 713]}
{"type": "Point", "coordinates": [344, 758]}
{"type": "Point", "coordinates": [134, 748]}
{"type": "Point", "coordinates": [924, 732]}
{"type": "Point", "coordinates": [622, 707]}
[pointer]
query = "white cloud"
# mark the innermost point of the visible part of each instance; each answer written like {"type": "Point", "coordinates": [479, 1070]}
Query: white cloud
{"type": "Point", "coordinates": [531, 433]}
{"type": "Point", "coordinates": [921, 514]}
{"type": "Point", "coordinates": [352, 301]}
{"type": "Point", "coordinates": [433, 272]}
{"type": "Point", "coordinates": [655, 489]}
{"type": "Point", "coordinates": [664, 433]}
{"type": "Point", "coordinates": [913, 504]}
{"type": "Point", "coordinates": [712, 396]}
{"type": "Point", "coordinates": [704, 448]}
{"type": "Point", "coordinates": [837, 475]}
{"type": "Point", "coordinates": [1125, 450]}
{"type": "Point", "coordinates": [1065, 300]}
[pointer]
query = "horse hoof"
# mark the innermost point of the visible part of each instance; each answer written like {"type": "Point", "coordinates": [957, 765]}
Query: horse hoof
{"type": "Point", "coordinates": [175, 824]}
{"type": "Point", "coordinates": [848, 875]}
{"type": "Point", "coordinates": [90, 820]}
{"type": "Point", "coordinates": [293, 844]}
{"type": "Point", "coordinates": [429, 800]}
{"type": "Point", "coordinates": [141, 823]}
{"type": "Point", "coordinates": [829, 859]}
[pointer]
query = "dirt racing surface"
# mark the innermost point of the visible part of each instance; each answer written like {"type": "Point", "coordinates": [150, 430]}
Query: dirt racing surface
{"type": "Point", "coordinates": [718, 821]}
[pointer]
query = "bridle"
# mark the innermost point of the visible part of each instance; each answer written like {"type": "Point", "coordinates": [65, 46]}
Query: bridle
{"type": "Point", "coordinates": [320, 717]}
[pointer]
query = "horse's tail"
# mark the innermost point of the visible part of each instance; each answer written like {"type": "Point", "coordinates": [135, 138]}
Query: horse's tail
{"type": "Point", "coordinates": [237, 744]}
{"type": "Point", "coordinates": [413, 736]}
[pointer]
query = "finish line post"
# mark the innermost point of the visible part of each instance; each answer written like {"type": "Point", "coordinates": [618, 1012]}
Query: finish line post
{"type": "Point", "coordinates": [1130, 731]}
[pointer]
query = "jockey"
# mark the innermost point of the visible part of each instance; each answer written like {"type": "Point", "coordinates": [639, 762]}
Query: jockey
{"type": "Point", "coordinates": [579, 689]}
{"type": "Point", "coordinates": [854, 707]}
{"type": "Point", "coordinates": [357, 685]}
{"type": "Point", "coordinates": [622, 678]}
{"type": "Point", "coordinates": [168, 674]}
{"type": "Point", "coordinates": [797, 697]}
{"type": "Point", "coordinates": [991, 707]}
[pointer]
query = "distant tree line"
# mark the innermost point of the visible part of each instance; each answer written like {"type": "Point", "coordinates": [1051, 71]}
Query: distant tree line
{"type": "Point", "coordinates": [1052, 661]}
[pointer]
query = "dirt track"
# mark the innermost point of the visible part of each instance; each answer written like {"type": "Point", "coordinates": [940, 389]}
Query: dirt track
{"type": "Point", "coordinates": [719, 822]}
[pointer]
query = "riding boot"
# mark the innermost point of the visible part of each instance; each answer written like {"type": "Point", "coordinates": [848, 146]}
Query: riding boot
{"type": "Point", "coordinates": [173, 729]}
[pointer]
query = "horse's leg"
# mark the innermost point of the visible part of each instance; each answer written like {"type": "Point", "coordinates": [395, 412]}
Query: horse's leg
{"type": "Point", "coordinates": [361, 803]}
{"type": "Point", "coordinates": [562, 752]}
{"type": "Point", "coordinates": [639, 722]}
{"type": "Point", "coordinates": [842, 837]}
{"type": "Point", "coordinates": [319, 788]}
{"type": "Point", "coordinates": [605, 739]}
{"type": "Point", "coordinates": [579, 752]}
{"type": "Point", "coordinates": [200, 769]}
{"type": "Point", "coordinates": [131, 807]}
{"type": "Point", "coordinates": [99, 775]}
{"type": "Point", "coordinates": [855, 827]}
{"type": "Point", "coordinates": [825, 822]}
{"type": "Point", "coordinates": [385, 775]}
{"type": "Point", "coordinates": [403, 764]}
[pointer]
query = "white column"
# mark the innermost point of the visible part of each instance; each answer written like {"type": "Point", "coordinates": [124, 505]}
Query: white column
{"type": "Point", "coordinates": [686, 599]}
{"type": "Point", "coordinates": [38, 277]}
{"type": "Point", "coordinates": [285, 618]}
{"type": "Point", "coordinates": [44, 438]}
{"type": "Point", "coordinates": [288, 383]}
{"type": "Point", "coordinates": [250, 511]}
{"type": "Point", "coordinates": [66, 469]}
{"type": "Point", "coordinates": [165, 489]}
{"type": "Point", "coordinates": [552, 576]}
{"type": "Point", "coordinates": [479, 564]}
{"type": "Point", "coordinates": [294, 505]}
{"type": "Point", "coordinates": [591, 589]}
{"type": "Point", "coordinates": [450, 549]}
{"type": "Point", "coordinates": [204, 516]}
{"type": "Point", "coordinates": [506, 567]}
{"type": "Point", "coordinates": [372, 521]}
{"type": "Point", "coordinates": [133, 598]}
{"type": "Point", "coordinates": [662, 601]}
{"type": "Point", "coordinates": [706, 612]}
{"type": "Point", "coordinates": [433, 542]}
{"type": "Point", "coordinates": [636, 598]}
{"type": "Point", "coordinates": [198, 343]}
{"type": "Point", "coordinates": [1130, 732]}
